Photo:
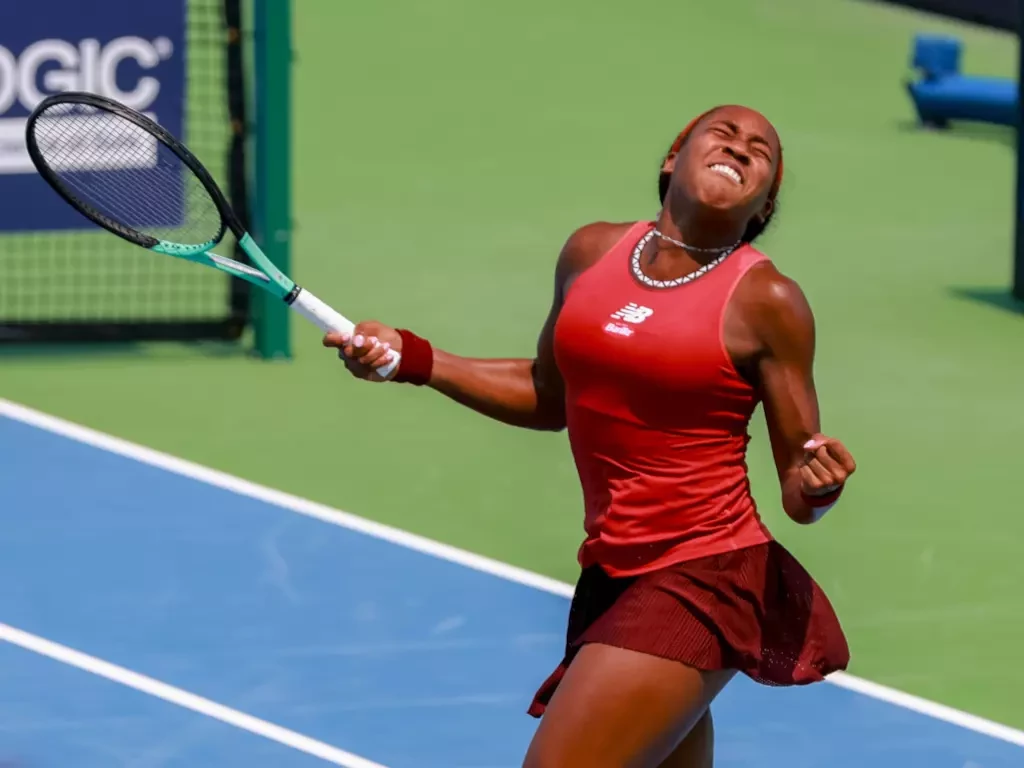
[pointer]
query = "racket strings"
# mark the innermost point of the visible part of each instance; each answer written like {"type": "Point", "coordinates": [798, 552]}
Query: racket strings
{"type": "Point", "coordinates": [122, 172]}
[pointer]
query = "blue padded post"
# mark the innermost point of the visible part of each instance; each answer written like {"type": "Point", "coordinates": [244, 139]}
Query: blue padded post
{"type": "Point", "coordinates": [943, 93]}
{"type": "Point", "coordinates": [937, 56]}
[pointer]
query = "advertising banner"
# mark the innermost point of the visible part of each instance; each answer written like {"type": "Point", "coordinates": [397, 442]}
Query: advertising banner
{"type": "Point", "coordinates": [128, 50]}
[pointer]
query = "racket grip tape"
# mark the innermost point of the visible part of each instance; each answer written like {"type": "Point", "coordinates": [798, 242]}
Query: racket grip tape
{"type": "Point", "coordinates": [320, 314]}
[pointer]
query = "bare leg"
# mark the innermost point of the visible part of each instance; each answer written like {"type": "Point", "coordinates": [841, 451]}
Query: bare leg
{"type": "Point", "coordinates": [622, 709]}
{"type": "Point", "coordinates": [697, 750]}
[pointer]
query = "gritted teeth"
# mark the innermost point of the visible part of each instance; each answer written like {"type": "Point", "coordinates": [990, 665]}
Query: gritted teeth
{"type": "Point", "coordinates": [725, 170]}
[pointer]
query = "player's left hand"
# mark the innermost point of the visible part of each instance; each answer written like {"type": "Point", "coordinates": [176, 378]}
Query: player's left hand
{"type": "Point", "coordinates": [827, 464]}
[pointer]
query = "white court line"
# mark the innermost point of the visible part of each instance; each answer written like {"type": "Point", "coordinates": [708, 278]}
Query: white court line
{"type": "Point", "coordinates": [443, 551]}
{"type": "Point", "coordinates": [183, 698]}
{"type": "Point", "coordinates": [926, 707]}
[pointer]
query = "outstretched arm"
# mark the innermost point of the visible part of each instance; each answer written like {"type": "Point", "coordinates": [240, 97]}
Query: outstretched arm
{"type": "Point", "coordinates": [526, 393]}
{"type": "Point", "coordinates": [519, 392]}
{"type": "Point", "coordinates": [812, 467]}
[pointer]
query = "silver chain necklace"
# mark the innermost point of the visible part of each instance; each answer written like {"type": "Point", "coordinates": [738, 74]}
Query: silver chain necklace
{"type": "Point", "coordinates": [684, 246]}
{"type": "Point", "coordinates": [638, 271]}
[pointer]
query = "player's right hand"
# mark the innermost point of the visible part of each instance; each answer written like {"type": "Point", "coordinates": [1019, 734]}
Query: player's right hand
{"type": "Point", "coordinates": [366, 349]}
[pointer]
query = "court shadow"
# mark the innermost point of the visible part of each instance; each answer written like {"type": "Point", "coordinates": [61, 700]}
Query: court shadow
{"type": "Point", "coordinates": [15, 351]}
{"type": "Point", "coordinates": [127, 350]}
{"type": "Point", "coordinates": [966, 131]}
{"type": "Point", "coordinates": [983, 16]}
{"type": "Point", "coordinates": [1000, 298]}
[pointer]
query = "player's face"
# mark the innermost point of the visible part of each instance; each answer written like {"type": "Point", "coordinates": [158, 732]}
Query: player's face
{"type": "Point", "coordinates": [729, 162]}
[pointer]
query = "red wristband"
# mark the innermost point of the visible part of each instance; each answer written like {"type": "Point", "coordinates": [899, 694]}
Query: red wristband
{"type": "Point", "coordinates": [417, 359]}
{"type": "Point", "coordinates": [824, 500]}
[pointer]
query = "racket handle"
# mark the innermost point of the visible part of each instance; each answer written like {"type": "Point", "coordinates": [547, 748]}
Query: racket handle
{"type": "Point", "coordinates": [320, 314]}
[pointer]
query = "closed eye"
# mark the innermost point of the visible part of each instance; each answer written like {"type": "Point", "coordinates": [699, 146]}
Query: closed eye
{"type": "Point", "coordinates": [761, 146]}
{"type": "Point", "coordinates": [758, 144]}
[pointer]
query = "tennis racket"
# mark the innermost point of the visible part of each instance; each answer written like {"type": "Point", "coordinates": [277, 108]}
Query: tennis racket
{"type": "Point", "coordinates": [129, 175]}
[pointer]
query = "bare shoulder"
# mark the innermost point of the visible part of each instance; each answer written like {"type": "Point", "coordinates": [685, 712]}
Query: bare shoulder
{"type": "Point", "coordinates": [775, 306]}
{"type": "Point", "coordinates": [588, 244]}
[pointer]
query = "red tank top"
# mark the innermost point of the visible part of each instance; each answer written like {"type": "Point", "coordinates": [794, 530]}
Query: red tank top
{"type": "Point", "coordinates": [657, 414]}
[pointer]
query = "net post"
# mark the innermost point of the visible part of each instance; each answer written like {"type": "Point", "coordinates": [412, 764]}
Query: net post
{"type": "Point", "coordinates": [272, 54]}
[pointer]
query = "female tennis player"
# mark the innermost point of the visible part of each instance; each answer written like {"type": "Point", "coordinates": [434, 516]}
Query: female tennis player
{"type": "Point", "coordinates": [662, 339]}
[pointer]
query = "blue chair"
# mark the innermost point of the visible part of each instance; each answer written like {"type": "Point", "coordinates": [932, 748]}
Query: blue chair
{"type": "Point", "coordinates": [944, 94]}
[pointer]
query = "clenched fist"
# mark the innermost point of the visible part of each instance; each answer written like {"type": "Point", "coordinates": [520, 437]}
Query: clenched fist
{"type": "Point", "coordinates": [826, 466]}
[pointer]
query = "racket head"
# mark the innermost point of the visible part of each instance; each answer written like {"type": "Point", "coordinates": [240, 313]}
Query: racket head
{"type": "Point", "coordinates": [126, 173]}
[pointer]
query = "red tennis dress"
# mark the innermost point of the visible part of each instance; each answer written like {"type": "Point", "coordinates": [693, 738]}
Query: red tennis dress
{"type": "Point", "coordinates": [676, 561]}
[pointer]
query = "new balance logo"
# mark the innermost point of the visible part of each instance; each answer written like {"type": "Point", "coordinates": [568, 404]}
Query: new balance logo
{"type": "Point", "coordinates": [633, 313]}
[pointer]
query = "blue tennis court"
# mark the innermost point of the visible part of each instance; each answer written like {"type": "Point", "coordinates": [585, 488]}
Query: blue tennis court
{"type": "Point", "coordinates": [159, 614]}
